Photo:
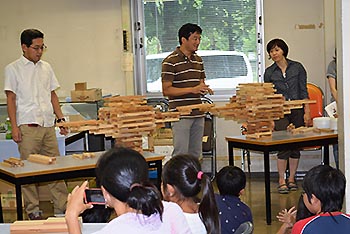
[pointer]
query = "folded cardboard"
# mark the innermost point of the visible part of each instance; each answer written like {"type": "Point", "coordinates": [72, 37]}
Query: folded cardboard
{"type": "Point", "coordinates": [94, 94]}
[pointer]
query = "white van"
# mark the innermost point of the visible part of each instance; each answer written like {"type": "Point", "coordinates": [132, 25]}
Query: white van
{"type": "Point", "coordinates": [223, 69]}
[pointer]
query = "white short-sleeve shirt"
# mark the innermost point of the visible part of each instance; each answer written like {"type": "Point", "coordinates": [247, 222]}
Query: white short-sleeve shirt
{"type": "Point", "coordinates": [32, 84]}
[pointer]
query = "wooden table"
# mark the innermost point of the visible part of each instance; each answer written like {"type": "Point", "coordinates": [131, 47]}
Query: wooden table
{"type": "Point", "coordinates": [280, 140]}
{"type": "Point", "coordinates": [66, 167]}
{"type": "Point", "coordinates": [87, 228]}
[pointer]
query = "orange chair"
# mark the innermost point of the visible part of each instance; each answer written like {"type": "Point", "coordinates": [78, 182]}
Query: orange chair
{"type": "Point", "coordinates": [316, 109]}
{"type": "Point", "coordinates": [315, 93]}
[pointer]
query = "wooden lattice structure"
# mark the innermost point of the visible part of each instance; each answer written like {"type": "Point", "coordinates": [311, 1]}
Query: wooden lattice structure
{"type": "Point", "coordinates": [126, 119]}
{"type": "Point", "coordinates": [257, 105]}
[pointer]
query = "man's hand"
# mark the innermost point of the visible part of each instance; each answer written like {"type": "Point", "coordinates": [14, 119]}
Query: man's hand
{"type": "Point", "coordinates": [307, 119]}
{"type": "Point", "coordinates": [64, 131]}
{"type": "Point", "coordinates": [16, 134]}
{"type": "Point", "coordinates": [202, 89]}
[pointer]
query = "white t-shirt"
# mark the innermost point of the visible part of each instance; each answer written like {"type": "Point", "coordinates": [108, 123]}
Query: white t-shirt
{"type": "Point", "coordinates": [32, 84]}
{"type": "Point", "coordinates": [195, 223]}
{"type": "Point", "coordinates": [174, 222]}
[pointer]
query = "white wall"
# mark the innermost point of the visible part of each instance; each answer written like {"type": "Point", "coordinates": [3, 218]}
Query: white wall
{"type": "Point", "coordinates": [84, 39]}
{"type": "Point", "coordinates": [343, 61]}
{"type": "Point", "coordinates": [282, 19]}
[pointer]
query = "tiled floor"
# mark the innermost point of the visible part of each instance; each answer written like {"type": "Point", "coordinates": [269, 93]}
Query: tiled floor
{"type": "Point", "coordinates": [254, 197]}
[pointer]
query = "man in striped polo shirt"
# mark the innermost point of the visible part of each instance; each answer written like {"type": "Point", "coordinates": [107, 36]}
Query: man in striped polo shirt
{"type": "Point", "coordinates": [183, 83]}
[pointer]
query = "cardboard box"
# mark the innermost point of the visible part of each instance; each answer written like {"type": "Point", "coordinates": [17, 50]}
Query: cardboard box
{"type": "Point", "coordinates": [94, 94]}
{"type": "Point", "coordinates": [80, 86]}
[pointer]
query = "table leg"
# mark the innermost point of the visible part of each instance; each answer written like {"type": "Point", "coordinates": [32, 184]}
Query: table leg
{"type": "Point", "coordinates": [230, 155]}
{"type": "Point", "coordinates": [1, 215]}
{"type": "Point", "coordinates": [158, 165]}
{"type": "Point", "coordinates": [159, 173]}
{"type": "Point", "coordinates": [267, 186]}
{"type": "Point", "coordinates": [19, 202]}
{"type": "Point", "coordinates": [326, 154]}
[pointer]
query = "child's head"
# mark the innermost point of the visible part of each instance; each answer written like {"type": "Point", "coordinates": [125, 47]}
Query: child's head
{"type": "Point", "coordinates": [123, 175]}
{"type": "Point", "coordinates": [230, 180]}
{"type": "Point", "coordinates": [324, 188]}
{"type": "Point", "coordinates": [97, 214]}
{"type": "Point", "coordinates": [183, 179]}
{"type": "Point", "coordinates": [183, 172]}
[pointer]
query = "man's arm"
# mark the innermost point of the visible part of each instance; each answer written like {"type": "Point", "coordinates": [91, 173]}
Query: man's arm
{"type": "Point", "coordinates": [57, 110]}
{"type": "Point", "coordinates": [11, 111]}
{"type": "Point", "coordinates": [170, 90]}
{"type": "Point", "coordinates": [332, 85]}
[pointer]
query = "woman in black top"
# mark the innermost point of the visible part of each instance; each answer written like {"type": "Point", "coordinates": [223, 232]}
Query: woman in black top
{"type": "Point", "coordinates": [289, 78]}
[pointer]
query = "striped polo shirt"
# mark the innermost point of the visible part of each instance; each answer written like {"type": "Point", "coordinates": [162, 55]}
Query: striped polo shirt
{"type": "Point", "coordinates": [183, 72]}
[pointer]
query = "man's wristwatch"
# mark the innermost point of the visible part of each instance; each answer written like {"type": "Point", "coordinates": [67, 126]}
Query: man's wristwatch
{"type": "Point", "coordinates": [60, 120]}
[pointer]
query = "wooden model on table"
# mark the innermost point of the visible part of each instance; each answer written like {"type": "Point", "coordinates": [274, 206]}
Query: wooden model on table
{"type": "Point", "coordinates": [128, 118]}
{"type": "Point", "coordinates": [257, 105]}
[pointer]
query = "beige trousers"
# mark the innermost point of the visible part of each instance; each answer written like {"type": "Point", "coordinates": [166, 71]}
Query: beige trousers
{"type": "Point", "coordinates": [41, 140]}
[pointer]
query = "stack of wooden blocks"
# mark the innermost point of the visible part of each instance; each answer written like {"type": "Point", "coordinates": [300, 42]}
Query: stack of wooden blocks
{"type": "Point", "coordinates": [126, 119]}
{"type": "Point", "coordinates": [129, 118]}
{"type": "Point", "coordinates": [257, 105]}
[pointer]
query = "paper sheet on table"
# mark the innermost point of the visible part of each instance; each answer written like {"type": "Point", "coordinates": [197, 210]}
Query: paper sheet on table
{"type": "Point", "coordinates": [331, 109]}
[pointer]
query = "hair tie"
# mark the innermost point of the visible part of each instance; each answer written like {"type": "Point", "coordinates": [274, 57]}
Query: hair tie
{"type": "Point", "coordinates": [135, 185]}
{"type": "Point", "coordinates": [199, 175]}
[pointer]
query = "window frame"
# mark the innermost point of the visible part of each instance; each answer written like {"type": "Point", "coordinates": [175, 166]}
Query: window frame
{"type": "Point", "coordinates": [140, 79]}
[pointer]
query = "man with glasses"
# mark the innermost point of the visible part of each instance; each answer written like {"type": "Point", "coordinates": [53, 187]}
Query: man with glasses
{"type": "Point", "coordinates": [32, 105]}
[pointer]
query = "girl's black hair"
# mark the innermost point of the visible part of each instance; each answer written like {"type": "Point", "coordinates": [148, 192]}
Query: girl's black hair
{"type": "Point", "coordinates": [182, 173]}
{"type": "Point", "coordinates": [123, 173]}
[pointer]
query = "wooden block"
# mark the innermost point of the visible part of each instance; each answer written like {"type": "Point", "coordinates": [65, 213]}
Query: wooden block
{"type": "Point", "coordinates": [13, 162]}
{"type": "Point", "coordinates": [301, 130]}
{"type": "Point", "coordinates": [319, 130]}
{"type": "Point", "coordinates": [42, 159]}
{"type": "Point", "coordinates": [85, 155]}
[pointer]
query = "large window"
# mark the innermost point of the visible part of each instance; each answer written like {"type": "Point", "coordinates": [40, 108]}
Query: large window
{"type": "Point", "coordinates": [228, 46]}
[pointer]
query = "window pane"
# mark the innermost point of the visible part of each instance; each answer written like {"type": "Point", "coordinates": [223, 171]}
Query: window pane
{"type": "Point", "coordinates": [228, 45]}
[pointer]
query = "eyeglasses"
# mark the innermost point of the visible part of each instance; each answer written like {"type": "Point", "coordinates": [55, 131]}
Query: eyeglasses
{"type": "Point", "coordinates": [37, 48]}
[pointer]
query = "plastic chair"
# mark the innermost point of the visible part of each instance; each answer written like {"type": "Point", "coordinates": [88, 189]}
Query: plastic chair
{"type": "Point", "coordinates": [245, 228]}
{"type": "Point", "coordinates": [245, 152]}
{"type": "Point", "coordinates": [315, 93]}
{"type": "Point", "coordinates": [316, 109]}
{"type": "Point", "coordinates": [209, 138]}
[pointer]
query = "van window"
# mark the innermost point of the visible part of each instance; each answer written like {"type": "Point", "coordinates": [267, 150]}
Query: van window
{"type": "Point", "coordinates": [153, 69]}
{"type": "Point", "coordinates": [223, 69]}
{"type": "Point", "coordinates": [224, 66]}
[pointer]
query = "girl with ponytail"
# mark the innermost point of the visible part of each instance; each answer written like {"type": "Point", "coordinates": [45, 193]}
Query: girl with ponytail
{"type": "Point", "coordinates": [123, 176]}
{"type": "Point", "coordinates": [185, 184]}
